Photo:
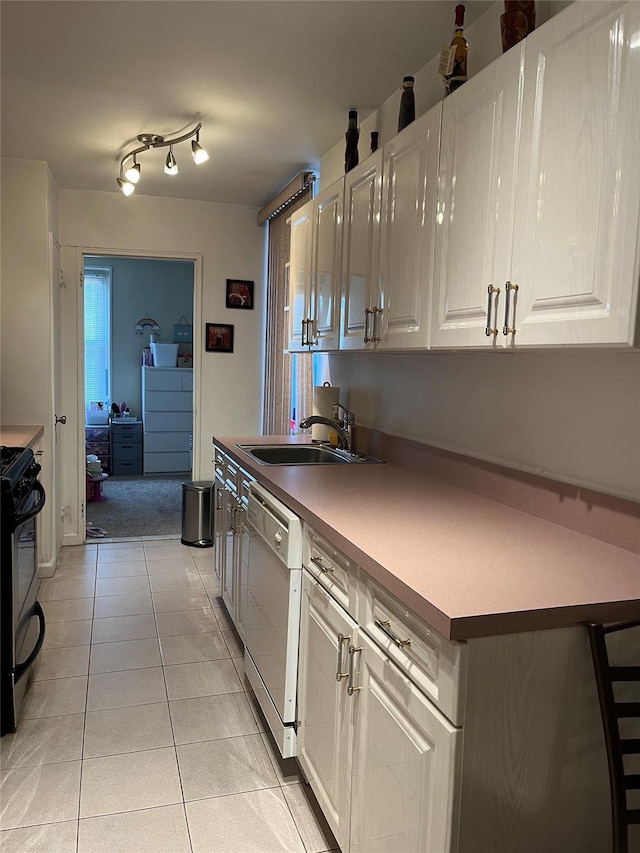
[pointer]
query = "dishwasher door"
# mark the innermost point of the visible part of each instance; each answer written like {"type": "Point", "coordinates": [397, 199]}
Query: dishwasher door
{"type": "Point", "coordinates": [272, 617]}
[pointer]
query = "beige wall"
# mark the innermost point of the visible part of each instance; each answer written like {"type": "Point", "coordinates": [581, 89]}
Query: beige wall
{"type": "Point", "coordinates": [228, 244]}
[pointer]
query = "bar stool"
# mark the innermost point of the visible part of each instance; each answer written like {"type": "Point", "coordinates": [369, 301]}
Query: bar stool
{"type": "Point", "coordinates": [617, 747]}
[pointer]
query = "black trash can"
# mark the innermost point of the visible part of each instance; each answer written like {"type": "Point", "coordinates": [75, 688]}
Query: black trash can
{"type": "Point", "coordinates": [197, 513]}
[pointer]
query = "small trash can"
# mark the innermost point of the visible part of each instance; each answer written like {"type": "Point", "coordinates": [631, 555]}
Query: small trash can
{"type": "Point", "coordinates": [197, 513]}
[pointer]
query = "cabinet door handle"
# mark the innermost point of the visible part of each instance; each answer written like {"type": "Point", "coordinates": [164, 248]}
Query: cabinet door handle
{"type": "Point", "coordinates": [303, 343]}
{"type": "Point", "coordinates": [506, 329]}
{"type": "Point", "coordinates": [385, 627]}
{"type": "Point", "coordinates": [489, 329]}
{"type": "Point", "coordinates": [339, 673]}
{"type": "Point", "coordinates": [351, 688]}
{"type": "Point", "coordinates": [377, 312]}
{"type": "Point", "coordinates": [367, 312]}
{"type": "Point", "coordinates": [218, 498]}
{"type": "Point", "coordinates": [314, 332]}
{"type": "Point", "coordinates": [318, 562]}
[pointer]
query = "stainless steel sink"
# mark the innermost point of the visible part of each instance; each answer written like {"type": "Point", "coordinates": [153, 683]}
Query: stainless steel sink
{"type": "Point", "coordinates": [301, 454]}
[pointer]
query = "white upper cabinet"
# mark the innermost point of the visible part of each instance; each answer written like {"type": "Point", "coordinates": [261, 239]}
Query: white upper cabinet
{"type": "Point", "coordinates": [314, 272]}
{"type": "Point", "coordinates": [578, 197]}
{"type": "Point", "coordinates": [538, 204]}
{"type": "Point", "coordinates": [476, 195]}
{"type": "Point", "coordinates": [362, 192]}
{"type": "Point", "coordinates": [405, 266]}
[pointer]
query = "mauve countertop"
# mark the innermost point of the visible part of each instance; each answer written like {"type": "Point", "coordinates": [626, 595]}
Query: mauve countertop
{"type": "Point", "coordinates": [469, 566]}
{"type": "Point", "coordinates": [20, 436]}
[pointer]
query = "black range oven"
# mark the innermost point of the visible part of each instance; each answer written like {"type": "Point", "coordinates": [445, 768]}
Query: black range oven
{"type": "Point", "coordinates": [21, 618]}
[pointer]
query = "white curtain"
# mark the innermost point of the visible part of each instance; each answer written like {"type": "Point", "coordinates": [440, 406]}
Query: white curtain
{"type": "Point", "coordinates": [97, 335]}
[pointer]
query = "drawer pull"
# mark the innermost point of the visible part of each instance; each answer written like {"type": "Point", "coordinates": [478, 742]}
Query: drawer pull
{"type": "Point", "coordinates": [385, 627]}
{"type": "Point", "coordinates": [318, 562]}
{"type": "Point", "coordinates": [351, 689]}
{"type": "Point", "coordinates": [339, 673]}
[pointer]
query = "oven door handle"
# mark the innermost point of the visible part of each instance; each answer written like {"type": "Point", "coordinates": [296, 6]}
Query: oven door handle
{"type": "Point", "coordinates": [20, 519]}
{"type": "Point", "coordinates": [21, 668]}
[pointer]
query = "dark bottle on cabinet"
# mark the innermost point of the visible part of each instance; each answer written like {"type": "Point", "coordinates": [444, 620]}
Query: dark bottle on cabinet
{"type": "Point", "coordinates": [458, 74]}
{"type": "Point", "coordinates": [407, 112]}
{"type": "Point", "coordinates": [351, 137]}
{"type": "Point", "coordinates": [374, 141]}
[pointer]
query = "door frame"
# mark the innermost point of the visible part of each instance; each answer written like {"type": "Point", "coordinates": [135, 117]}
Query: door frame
{"type": "Point", "coordinates": [75, 483]}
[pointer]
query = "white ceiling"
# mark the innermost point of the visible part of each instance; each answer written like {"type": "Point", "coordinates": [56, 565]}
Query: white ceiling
{"type": "Point", "coordinates": [270, 80]}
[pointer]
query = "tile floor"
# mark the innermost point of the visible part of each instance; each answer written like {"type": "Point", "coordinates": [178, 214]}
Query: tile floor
{"type": "Point", "coordinates": [138, 733]}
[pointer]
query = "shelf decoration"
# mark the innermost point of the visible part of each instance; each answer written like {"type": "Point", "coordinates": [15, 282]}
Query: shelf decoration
{"type": "Point", "coordinates": [146, 322]}
{"type": "Point", "coordinates": [182, 331]}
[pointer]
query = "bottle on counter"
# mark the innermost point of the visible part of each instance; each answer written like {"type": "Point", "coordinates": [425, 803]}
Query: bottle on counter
{"type": "Point", "coordinates": [374, 141]}
{"type": "Point", "coordinates": [407, 112]}
{"type": "Point", "coordinates": [352, 135]}
{"type": "Point", "coordinates": [456, 70]}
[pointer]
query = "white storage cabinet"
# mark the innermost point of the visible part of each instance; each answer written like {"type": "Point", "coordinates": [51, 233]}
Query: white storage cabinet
{"type": "Point", "coordinates": [167, 415]}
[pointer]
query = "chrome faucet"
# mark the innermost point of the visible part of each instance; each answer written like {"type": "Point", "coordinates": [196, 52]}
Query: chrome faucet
{"type": "Point", "coordinates": [343, 427]}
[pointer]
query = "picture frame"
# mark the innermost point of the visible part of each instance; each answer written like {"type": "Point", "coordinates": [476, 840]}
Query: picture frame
{"type": "Point", "coordinates": [239, 293]}
{"type": "Point", "coordinates": [218, 337]}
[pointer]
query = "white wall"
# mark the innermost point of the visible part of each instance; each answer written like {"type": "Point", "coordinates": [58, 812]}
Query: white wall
{"type": "Point", "coordinates": [231, 245]}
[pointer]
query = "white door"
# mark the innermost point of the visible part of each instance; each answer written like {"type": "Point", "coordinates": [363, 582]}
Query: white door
{"type": "Point", "coordinates": [409, 189]}
{"type": "Point", "coordinates": [300, 277]}
{"type": "Point", "coordinates": [324, 302]}
{"type": "Point", "coordinates": [324, 707]}
{"type": "Point", "coordinates": [404, 780]}
{"type": "Point", "coordinates": [578, 201]}
{"type": "Point", "coordinates": [475, 207]}
{"type": "Point", "coordinates": [362, 191]}
{"type": "Point", "coordinates": [50, 546]}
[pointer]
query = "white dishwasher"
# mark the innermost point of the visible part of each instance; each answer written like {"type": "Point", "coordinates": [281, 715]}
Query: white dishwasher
{"type": "Point", "coordinates": [272, 617]}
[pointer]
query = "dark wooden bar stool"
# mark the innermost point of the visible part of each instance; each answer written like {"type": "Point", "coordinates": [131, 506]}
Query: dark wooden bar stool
{"type": "Point", "coordinates": [613, 710]}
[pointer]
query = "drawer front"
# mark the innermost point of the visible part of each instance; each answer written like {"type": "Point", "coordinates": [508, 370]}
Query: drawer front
{"type": "Point", "coordinates": [168, 422]}
{"type": "Point", "coordinates": [337, 574]}
{"type": "Point", "coordinates": [244, 481]}
{"type": "Point", "coordinates": [96, 433]}
{"type": "Point", "coordinates": [123, 467]}
{"type": "Point", "coordinates": [123, 431]}
{"type": "Point", "coordinates": [187, 380]}
{"type": "Point", "coordinates": [168, 401]}
{"type": "Point", "coordinates": [159, 379]}
{"type": "Point", "coordinates": [166, 442]}
{"type": "Point", "coordinates": [127, 450]}
{"type": "Point", "coordinates": [233, 471]}
{"type": "Point", "coordinates": [98, 448]}
{"type": "Point", "coordinates": [220, 464]}
{"type": "Point", "coordinates": [170, 463]}
{"type": "Point", "coordinates": [436, 665]}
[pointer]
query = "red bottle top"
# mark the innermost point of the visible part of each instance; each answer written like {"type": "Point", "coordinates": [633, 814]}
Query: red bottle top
{"type": "Point", "coordinates": [459, 16]}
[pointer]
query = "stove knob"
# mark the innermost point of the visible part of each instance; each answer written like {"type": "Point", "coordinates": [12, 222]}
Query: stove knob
{"type": "Point", "coordinates": [34, 469]}
{"type": "Point", "coordinates": [22, 487]}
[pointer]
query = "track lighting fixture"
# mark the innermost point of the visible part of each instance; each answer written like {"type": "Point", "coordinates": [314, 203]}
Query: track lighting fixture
{"type": "Point", "coordinates": [130, 176]}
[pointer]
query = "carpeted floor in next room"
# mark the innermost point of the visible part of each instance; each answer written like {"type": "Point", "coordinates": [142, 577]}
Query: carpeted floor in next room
{"type": "Point", "coordinates": [138, 506]}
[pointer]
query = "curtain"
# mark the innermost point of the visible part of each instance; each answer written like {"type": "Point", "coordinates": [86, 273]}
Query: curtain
{"type": "Point", "coordinates": [97, 335]}
{"type": "Point", "coordinates": [288, 377]}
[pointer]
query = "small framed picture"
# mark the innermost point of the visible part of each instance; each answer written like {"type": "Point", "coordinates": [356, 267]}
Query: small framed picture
{"type": "Point", "coordinates": [239, 293]}
{"type": "Point", "coordinates": [219, 337]}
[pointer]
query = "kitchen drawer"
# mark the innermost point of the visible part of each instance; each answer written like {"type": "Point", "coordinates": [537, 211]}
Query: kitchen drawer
{"type": "Point", "coordinates": [220, 463]}
{"type": "Point", "coordinates": [168, 422]}
{"type": "Point", "coordinates": [337, 574]}
{"type": "Point", "coordinates": [244, 481]}
{"type": "Point", "coordinates": [126, 450]}
{"type": "Point", "coordinates": [168, 401]}
{"type": "Point", "coordinates": [122, 467]}
{"type": "Point", "coordinates": [436, 665]}
{"type": "Point", "coordinates": [100, 433]}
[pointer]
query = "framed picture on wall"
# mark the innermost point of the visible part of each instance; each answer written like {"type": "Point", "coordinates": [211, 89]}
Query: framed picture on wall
{"type": "Point", "coordinates": [239, 293]}
{"type": "Point", "coordinates": [219, 337]}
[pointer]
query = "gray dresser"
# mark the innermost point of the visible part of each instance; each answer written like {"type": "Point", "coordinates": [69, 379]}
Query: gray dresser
{"type": "Point", "coordinates": [126, 446]}
{"type": "Point", "coordinates": [167, 417]}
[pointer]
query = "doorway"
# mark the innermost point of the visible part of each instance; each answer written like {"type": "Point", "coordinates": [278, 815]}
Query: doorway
{"type": "Point", "coordinates": [135, 465]}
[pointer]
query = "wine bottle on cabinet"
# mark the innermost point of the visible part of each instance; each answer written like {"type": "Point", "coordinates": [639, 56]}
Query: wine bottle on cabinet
{"type": "Point", "coordinates": [455, 72]}
{"type": "Point", "coordinates": [351, 137]}
{"type": "Point", "coordinates": [407, 112]}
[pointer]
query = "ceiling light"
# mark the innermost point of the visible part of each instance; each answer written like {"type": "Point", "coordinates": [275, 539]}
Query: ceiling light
{"type": "Point", "coordinates": [199, 154]}
{"type": "Point", "coordinates": [130, 177]}
{"type": "Point", "coordinates": [170, 166]}
{"type": "Point", "coordinates": [126, 186]}
{"type": "Point", "coordinates": [132, 174]}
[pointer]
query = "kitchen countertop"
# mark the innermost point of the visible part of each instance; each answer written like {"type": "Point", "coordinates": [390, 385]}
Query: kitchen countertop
{"type": "Point", "coordinates": [20, 436]}
{"type": "Point", "coordinates": [467, 565]}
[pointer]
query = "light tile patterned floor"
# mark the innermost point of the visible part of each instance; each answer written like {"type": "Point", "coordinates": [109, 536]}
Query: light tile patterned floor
{"type": "Point", "coordinates": [138, 733]}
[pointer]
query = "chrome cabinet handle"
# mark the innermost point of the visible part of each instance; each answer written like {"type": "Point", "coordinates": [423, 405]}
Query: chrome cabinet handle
{"type": "Point", "coordinates": [489, 329]}
{"type": "Point", "coordinates": [351, 689]}
{"type": "Point", "coordinates": [506, 329]}
{"type": "Point", "coordinates": [367, 312]}
{"type": "Point", "coordinates": [339, 673]}
{"type": "Point", "coordinates": [314, 333]}
{"type": "Point", "coordinates": [377, 312]}
{"type": "Point", "coordinates": [218, 498]}
{"type": "Point", "coordinates": [318, 562]}
{"type": "Point", "coordinates": [385, 627]}
{"type": "Point", "coordinates": [303, 343]}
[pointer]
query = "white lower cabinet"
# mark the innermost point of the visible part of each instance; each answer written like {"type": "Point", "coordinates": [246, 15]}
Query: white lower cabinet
{"type": "Point", "coordinates": [378, 754]}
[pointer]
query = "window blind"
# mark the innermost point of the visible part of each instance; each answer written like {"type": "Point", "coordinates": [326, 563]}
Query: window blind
{"type": "Point", "coordinates": [97, 335]}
